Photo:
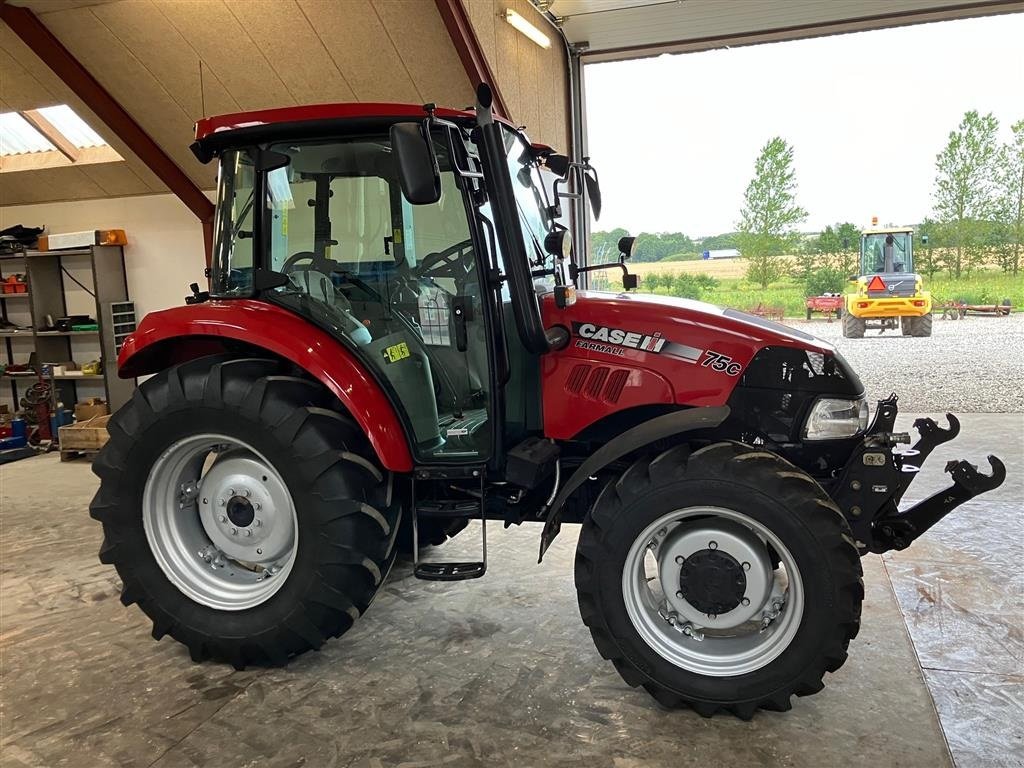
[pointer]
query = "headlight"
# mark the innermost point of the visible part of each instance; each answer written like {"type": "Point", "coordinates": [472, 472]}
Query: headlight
{"type": "Point", "coordinates": [833, 418]}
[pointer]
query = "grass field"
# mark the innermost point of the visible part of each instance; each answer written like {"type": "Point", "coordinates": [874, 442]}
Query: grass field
{"type": "Point", "coordinates": [988, 286]}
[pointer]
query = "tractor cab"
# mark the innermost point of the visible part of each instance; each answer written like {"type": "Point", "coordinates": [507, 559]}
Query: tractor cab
{"type": "Point", "coordinates": [887, 252]}
{"type": "Point", "coordinates": [385, 237]}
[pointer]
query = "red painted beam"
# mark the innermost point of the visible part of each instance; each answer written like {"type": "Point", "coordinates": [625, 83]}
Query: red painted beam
{"type": "Point", "coordinates": [43, 44]}
{"type": "Point", "coordinates": [467, 45]}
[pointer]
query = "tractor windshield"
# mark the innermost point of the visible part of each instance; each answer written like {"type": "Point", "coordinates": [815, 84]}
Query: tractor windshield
{"type": "Point", "coordinates": [531, 196]}
{"type": "Point", "coordinates": [886, 253]}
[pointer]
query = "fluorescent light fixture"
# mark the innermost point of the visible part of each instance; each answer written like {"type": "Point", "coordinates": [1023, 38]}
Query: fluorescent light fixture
{"type": "Point", "coordinates": [527, 28]}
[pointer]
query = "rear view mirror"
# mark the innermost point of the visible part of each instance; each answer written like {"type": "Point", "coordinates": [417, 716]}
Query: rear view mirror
{"type": "Point", "coordinates": [417, 164]}
{"type": "Point", "coordinates": [557, 164]}
{"type": "Point", "coordinates": [626, 246]}
{"type": "Point", "coordinates": [574, 176]}
{"type": "Point", "coordinates": [593, 190]}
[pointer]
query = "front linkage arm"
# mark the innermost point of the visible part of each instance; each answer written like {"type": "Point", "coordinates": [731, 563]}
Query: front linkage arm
{"type": "Point", "coordinates": [875, 478]}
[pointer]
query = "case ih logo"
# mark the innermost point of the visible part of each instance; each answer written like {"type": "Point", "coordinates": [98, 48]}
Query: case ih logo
{"type": "Point", "coordinates": [618, 337]}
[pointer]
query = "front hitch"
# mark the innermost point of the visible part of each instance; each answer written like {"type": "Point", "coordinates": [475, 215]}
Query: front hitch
{"type": "Point", "coordinates": [875, 478]}
{"type": "Point", "coordinates": [898, 531]}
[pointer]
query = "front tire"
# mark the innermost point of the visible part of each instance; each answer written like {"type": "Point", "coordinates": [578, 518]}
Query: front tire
{"type": "Point", "coordinates": [244, 514]}
{"type": "Point", "coordinates": [766, 634]}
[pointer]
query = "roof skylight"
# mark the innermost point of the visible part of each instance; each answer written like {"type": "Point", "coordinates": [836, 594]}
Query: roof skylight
{"type": "Point", "coordinates": [74, 128]}
{"type": "Point", "coordinates": [50, 137]}
{"type": "Point", "coordinates": [18, 137]}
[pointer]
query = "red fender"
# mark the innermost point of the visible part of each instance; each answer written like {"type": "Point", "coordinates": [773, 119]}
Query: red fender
{"type": "Point", "coordinates": [184, 333]}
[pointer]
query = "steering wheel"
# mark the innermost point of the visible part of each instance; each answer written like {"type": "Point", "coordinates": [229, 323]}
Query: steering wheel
{"type": "Point", "coordinates": [317, 263]}
{"type": "Point", "coordinates": [449, 262]}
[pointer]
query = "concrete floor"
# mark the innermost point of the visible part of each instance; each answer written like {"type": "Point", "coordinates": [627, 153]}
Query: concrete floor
{"type": "Point", "coordinates": [501, 671]}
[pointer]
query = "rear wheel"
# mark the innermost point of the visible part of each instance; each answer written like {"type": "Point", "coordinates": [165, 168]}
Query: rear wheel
{"type": "Point", "coordinates": [686, 599]}
{"type": "Point", "coordinates": [907, 326]}
{"type": "Point", "coordinates": [245, 516]}
{"type": "Point", "coordinates": [853, 327]}
{"type": "Point", "coordinates": [921, 326]}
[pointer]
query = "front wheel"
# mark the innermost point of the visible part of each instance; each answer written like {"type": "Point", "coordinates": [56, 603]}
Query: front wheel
{"type": "Point", "coordinates": [738, 598]}
{"type": "Point", "coordinates": [245, 516]}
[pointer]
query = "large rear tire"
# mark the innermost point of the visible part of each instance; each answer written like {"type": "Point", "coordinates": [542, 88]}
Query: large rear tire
{"type": "Point", "coordinates": [921, 326]}
{"type": "Point", "coordinates": [245, 515]}
{"type": "Point", "coordinates": [853, 327]}
{"type": "Point", "coordinates": [712, 524]}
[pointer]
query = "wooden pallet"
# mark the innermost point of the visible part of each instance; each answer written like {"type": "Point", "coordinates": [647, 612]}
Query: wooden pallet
{"type": "Point", "coordinates": [66, 455]}
{"type": "Point", "coordinates": [83, 438]}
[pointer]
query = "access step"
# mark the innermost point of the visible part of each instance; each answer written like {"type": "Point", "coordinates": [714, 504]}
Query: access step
{"type": "Point", "coordinates": [450, 571]}
{"type": "Point", "coordinates": [450, 507]}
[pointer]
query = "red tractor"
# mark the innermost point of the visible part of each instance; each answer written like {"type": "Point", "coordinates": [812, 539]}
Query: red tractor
{"type": "Point", "coordinates": [393, 345]}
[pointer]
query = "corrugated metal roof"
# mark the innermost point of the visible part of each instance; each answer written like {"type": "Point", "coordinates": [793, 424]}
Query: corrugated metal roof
{"type": "Point", "coordinates": [17, 137]}
{"type": "Point", "coordinates": [74, 128]}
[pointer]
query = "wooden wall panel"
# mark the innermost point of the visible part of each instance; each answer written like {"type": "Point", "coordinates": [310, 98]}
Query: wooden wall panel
{"type": "Point", "coordinates": [300, 57]}
{"type": "Point", "coordinates": [167, 55]}
{"type": "Point", "coordinates": [534, 81]}
{"type": "Point", "coordinates": [361, 49]}
{"type": "Point", "coordinates": [224, 45]}
{"type": "Point", "coordinates": [419, 38]}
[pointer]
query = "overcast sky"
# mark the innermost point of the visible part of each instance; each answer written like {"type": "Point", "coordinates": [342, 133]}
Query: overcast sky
{"type": "Point", "coordinates": [674, 138]}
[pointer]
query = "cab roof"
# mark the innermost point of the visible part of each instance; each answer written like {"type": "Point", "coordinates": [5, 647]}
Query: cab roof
{"type": "Point", "coordinates": [208, 126]}
{"type": "Point", "coordinates": [886, 230]}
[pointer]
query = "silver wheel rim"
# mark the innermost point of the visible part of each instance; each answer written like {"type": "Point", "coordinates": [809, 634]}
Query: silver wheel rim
{"type": "Point", "coordinates": [220, 522]}
{"type": "Point", "coordinates": [736, 642]}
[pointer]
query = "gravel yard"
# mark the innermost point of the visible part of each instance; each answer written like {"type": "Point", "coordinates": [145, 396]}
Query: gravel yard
{"type": "Point", "coordinates": [971, 365]}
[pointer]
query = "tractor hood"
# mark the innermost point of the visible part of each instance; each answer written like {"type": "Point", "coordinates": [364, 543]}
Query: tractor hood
{"type": "Point", "coordinates": [626, 351]}
{"type": "Point", "coordinates": [678, 319]}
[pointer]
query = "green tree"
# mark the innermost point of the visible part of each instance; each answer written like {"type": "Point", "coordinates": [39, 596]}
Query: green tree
{"type": "Point", "coordinates": [770, 214]}
{"type": "Point", "coordinates": [718, 242]}
{"type": "Point", "coordinates": [928, 257]}
{"type": "Point", "coordinates": [1010, 205]}
{"type": "Point", "coordinates": [965, 189]}
{"type": "Point", "coordinates": [829, 259]}
{"type": "Point", "coordinates": [604, 246]}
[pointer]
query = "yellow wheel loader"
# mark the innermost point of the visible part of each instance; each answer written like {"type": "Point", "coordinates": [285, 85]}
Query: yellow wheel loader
{"type": "Point", "coordinates": [888, 293]}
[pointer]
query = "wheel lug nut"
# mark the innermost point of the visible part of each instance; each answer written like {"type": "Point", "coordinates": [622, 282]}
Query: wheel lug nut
{"type": "Point", "coordinates": [247, 493]}
{"type": "Point", "coordinates": [248, 532]}
{"type": "Point", "coordinates": [223, 518]}
{"type": "Point", "coordinates": [257, 506]}
{"type": "Point", "coordinates": [746, 566]}
{"type": "Point", "coordinates": [712, 545]}
{"type": "Point", "coordinates": [221, 502]}
{"type": "Point", "coordinates": [259, 551]}
{"type": "Point", "coordinates": [257, 521]}
{"type": "Point", "coordinates": [680, 559]}
{"type": "Point", "coordinates": [679, 595]}
{"type": "Point", "coordinates": [745, 601]}
{"type": "Point", "coordinates": [234, 531]}
{"type": "Point", "coordinates": [206, 501]}
{"type": "Point", "coordinates": [231, 491]}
